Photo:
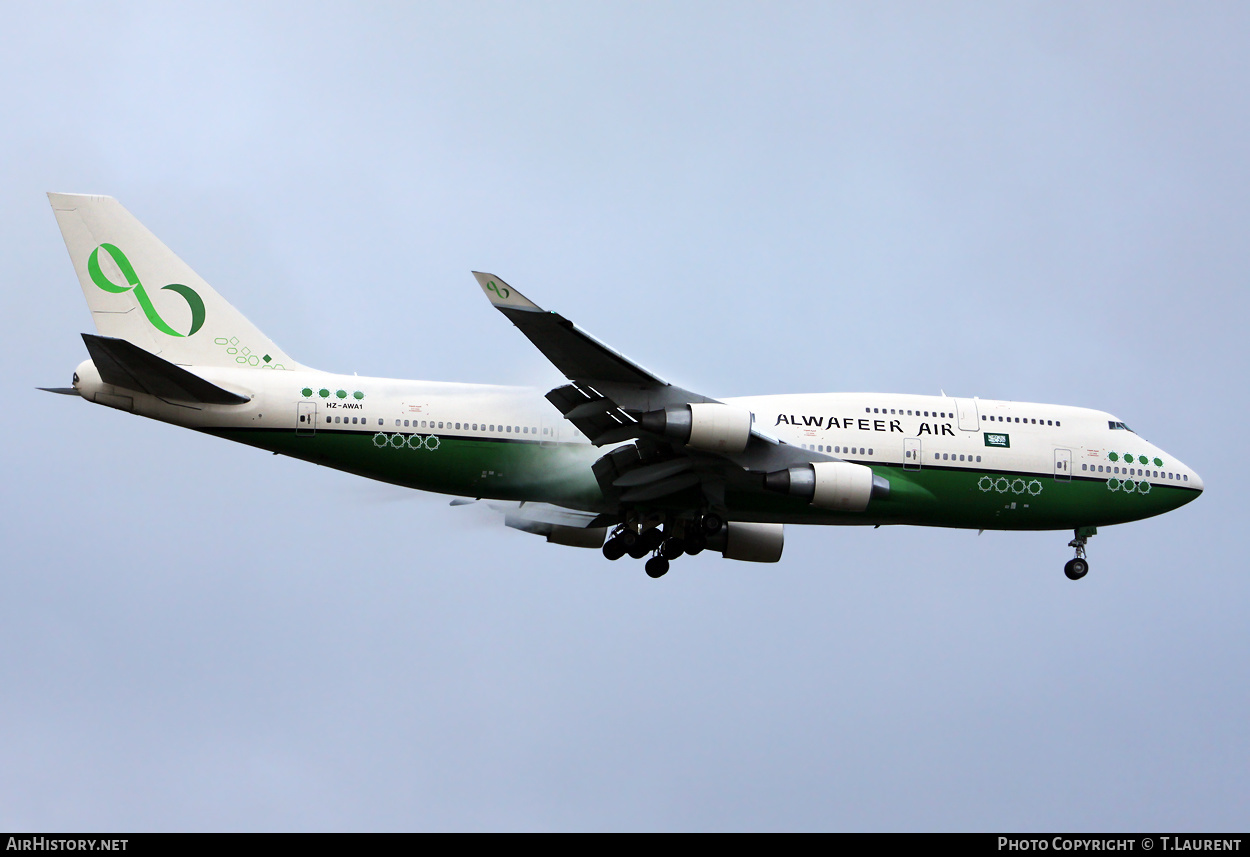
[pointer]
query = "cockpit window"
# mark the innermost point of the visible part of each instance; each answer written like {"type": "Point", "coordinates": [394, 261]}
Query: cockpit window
{"type": "Point", "coordinates": [1113, 424]}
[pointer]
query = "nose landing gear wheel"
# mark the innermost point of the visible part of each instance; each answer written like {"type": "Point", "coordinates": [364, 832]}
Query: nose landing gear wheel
{"type": "Point", "coordinates": [1076, 569]}
{"type": "Point", "coordinates": [656, 567]}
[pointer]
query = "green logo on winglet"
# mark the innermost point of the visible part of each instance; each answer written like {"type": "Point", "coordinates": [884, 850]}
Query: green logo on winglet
{"type": "Point", "coordinates": [194, 301]}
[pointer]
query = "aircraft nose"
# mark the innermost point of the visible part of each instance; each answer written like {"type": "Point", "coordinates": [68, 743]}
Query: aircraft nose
{"type": "Point", "coordinates": [1195, 481]}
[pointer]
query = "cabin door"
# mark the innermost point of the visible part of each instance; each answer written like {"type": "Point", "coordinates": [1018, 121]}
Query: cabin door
{"type": "Point", "coordinates": [306, 418]}
{"type": "Point", "coordinates": [1063, 465]}
{"type": "Point", "coordinates": [911, 453]}
{"type": "Point", "coordinates": [549, 429]}
{"type": "Point", "coordinates": [969, 419]}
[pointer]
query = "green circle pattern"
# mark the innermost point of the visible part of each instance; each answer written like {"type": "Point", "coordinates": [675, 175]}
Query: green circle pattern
{"type": "Point", "coordinates": [306, 392]}
{"type": "Point", "coordinates": [342, 394]}
{"type": "Point", "coordinates": [358, 395]}
{"type": "Point", "coordinates": [1114, 456]}
{"type": "Point", "coordinates": [323, 393]}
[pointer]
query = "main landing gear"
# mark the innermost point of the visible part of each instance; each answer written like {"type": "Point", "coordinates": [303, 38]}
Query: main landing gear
{"type": "Point", "coordinates": [1078, 567]}
{"type": "Point", "coordinates": [664, 542]}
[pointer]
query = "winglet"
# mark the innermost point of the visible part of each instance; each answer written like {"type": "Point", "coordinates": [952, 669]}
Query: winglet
{"type": "Point", "coordinates": [503, 295]}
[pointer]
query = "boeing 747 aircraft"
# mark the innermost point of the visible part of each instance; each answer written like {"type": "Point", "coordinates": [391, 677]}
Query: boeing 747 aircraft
{"type": "Point", "coordinates": [616, 459]}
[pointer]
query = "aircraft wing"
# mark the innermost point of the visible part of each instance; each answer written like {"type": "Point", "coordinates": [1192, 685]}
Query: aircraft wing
{"type": "Point", "coordinates": [610, 396]}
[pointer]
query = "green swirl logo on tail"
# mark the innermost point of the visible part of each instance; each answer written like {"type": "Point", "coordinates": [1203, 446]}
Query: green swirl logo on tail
{"type": "Point", "coordinates": [503, 291]}
{"type": "Point", "coordinates": [193, 299]}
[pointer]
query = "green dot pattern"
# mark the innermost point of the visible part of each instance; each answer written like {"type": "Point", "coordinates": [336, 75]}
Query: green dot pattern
{"type": "Point", "coordinates": [325, 394]}
{"type": "Point", "coordinates": [342, 394]}
{"type": "Point", "coordinates": [1114, 456]}
{"type": "Point", "coordinates": [358, 395]}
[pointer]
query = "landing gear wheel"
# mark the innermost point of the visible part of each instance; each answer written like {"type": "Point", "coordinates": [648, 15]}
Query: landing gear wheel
{"type": "Point", "coordinates": [712, 523]}
{"type": "Point", "coordinates": [1078, 566]}
{"type": "Point", "coordinates": [614, 549]}
{"type": "Point", "coordinates": [657, 567]}
{"type": "Point", "coordinates": [673, 547]}
{"type": "Point", "coordinates": [695, 544]}
{"type": "Point", "coordinates": [651, 538]}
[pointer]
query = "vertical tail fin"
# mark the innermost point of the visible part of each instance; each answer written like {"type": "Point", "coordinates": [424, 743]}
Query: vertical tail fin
{"type": "Point", "coordinates": [138, 290]}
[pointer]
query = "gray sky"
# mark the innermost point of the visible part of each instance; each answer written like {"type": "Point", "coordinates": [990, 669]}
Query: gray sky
{"type": "Point", "coordinates": [1036, 201]}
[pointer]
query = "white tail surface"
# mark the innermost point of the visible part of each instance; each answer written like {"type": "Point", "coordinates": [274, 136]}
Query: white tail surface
{"type": "Point", "coordinates": [138, 290]}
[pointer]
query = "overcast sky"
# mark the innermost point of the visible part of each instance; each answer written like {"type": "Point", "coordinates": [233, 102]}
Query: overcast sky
{"type": "Point", "coordinates": [1036, 201]}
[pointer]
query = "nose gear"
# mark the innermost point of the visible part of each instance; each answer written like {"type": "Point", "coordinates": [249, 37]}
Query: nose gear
{"type": "Point", "coordinates": [1078, 567]}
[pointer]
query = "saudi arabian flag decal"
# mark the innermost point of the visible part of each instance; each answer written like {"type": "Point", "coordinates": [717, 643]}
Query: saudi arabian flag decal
{"type": "Point", "coordinates": [993, 439]}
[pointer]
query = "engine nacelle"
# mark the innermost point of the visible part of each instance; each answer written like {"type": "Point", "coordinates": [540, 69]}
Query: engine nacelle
{"type": "Point", "coordinates": [709, 426]}
{"type": "Point", "coordinates": [577, 537]}
{"type": "Point", "coordinates": [837, 485]}
{"type": "Point", "coordinates": [749, 542]}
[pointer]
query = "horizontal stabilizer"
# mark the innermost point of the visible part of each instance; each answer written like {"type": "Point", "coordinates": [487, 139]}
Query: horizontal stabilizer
{"type": "Point", "coordinates": [64, 391]}
{"type": "Point", "coordinates": [126, 365]}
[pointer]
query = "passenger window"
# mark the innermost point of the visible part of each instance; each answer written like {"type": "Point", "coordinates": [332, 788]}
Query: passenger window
{"type": "Point", "coordinates": [457, 426]}
{"type": "Point", "coordinates": [440, 425]}
{"type": "Point", "coordinates": [937, 456]}
{"type": "Point", "coordinates": [870, 452]}
{"type": "Point", "coordinates": [327, 419]}
{"type": "Point", "coordinates": [978, 458]}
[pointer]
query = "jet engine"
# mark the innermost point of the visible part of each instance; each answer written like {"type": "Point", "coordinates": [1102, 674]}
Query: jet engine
{"type": "Point", "coordinates": [838, 485]}
{"type": "Point", "coordinates": [709, 426]}
{"type": "Point", "coordinates": [749, 542]}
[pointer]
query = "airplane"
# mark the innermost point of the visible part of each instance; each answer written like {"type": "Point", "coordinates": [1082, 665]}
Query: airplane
{"type": "Point", "coordinates": [617, 459]}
